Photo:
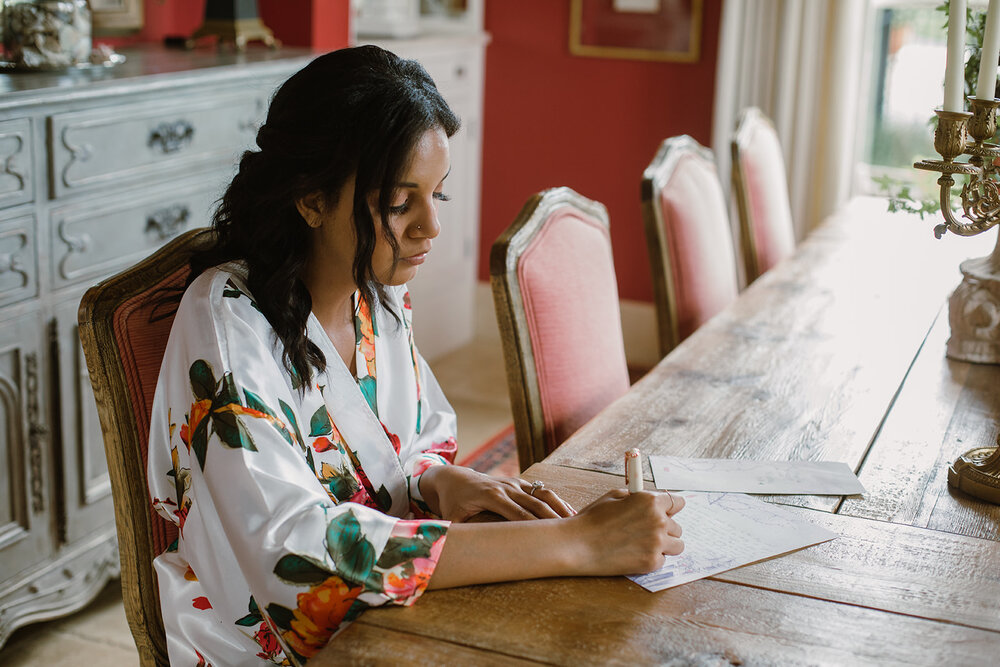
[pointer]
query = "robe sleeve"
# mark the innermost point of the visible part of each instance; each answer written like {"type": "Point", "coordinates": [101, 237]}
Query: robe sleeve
{"type": "Point", "coordinates": [228, 464]}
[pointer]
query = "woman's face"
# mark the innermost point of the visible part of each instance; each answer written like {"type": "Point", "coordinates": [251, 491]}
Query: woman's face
{"type": "Point", "coordinates": [413, 211]}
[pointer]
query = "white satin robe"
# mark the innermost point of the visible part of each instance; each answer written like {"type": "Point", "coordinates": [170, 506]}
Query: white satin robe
{"type": "Point", "coordinates": [296, 511]}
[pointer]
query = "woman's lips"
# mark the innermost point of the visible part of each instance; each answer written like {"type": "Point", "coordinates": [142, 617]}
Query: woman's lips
{"type": "Point", "coordinates": [417, 259]}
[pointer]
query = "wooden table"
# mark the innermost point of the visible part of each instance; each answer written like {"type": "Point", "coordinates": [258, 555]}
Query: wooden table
{"type": "Point", "coordinates": [836, 354]}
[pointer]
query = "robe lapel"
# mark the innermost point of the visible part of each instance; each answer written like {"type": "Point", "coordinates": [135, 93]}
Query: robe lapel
{"type": "Point", "coordinates": [358, 425]}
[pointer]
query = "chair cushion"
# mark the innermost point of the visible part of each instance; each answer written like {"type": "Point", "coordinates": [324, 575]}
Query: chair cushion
{"type": "Point", "coordinates": [699, 242]}
{"type": "Point", "coordinates": [763, 167]}
{"type": "Point", "coordinates": [141, 337]}
{"type": "Point", "coordinates": [570, 295]}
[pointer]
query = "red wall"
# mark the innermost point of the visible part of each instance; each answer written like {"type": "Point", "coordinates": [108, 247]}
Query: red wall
{"type": "Point", "coordinates": [592, 124]}
{"type": "Point", "coordinates": [320, 24]}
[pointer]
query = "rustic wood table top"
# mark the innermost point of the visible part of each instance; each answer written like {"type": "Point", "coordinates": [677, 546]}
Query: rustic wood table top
{"type": "Point", "coordinates": [837, 354]}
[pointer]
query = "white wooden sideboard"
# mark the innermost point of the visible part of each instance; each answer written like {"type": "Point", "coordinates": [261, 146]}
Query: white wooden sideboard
{"type": "Point", "coordinates": [98, 168]}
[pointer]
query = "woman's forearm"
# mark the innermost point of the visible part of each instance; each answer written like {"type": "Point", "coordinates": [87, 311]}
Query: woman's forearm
{"type": "Point", "coordinates": [481, 553]}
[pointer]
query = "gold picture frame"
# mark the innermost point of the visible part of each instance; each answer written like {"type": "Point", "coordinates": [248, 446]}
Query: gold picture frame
{"type": "Point", "coordinates": [116, 15]}
{"type": "Point", "coordinates": [667, 31]}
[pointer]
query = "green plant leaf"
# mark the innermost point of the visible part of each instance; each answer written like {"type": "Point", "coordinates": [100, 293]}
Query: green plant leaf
{"type": "Point", "coordinates": [282, 616]}
{"type": "Point", "coordinates": [290, 415]}
{"type": "Point", "coordinates": [231, 431]}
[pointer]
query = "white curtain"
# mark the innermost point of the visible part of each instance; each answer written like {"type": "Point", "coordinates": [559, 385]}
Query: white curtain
{"type": "Point", "coordinates": [800, 61]}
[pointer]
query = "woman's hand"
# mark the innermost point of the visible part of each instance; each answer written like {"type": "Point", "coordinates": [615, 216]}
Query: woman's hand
{"type": "Point", "coordinates": [629, 533]}
{"type": "Point", "coordinates": [457, 493]}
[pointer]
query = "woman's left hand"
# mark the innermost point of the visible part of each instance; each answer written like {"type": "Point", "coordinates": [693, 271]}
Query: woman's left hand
{"type": "Point", "coordinates": [458, 493]}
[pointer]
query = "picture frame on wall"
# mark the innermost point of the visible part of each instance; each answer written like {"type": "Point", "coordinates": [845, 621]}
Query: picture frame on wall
{"type": "Point", "coordinates": [116, 15]}
{"type": "Point", "coordinates": [664, 30]}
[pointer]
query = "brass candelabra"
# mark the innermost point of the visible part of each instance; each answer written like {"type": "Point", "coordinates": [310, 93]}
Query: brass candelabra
{"type": "Point", "coordinates": [974, 306]}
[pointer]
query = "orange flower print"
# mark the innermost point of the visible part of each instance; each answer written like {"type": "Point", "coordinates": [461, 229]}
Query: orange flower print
{"type": "Point", "coordinates": [199, 410]}
{"type": "Point", "coordinates": [322, 444]}
{"type": "Point", "coordinates": [366, 344]}
{"type": "Point", "coordinates": [201, 603]}
{"type": "Point", "coordinates": [319, 614]}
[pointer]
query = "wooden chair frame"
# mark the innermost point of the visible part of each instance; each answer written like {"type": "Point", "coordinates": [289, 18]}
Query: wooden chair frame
{"type": "Point", "coordinates": [654, 179]}
{"type": "Point", "coordinates": [115, 408]}
{"type": "Point", "coordinates": [748, 120]}
{"type": "Point", "coordinates": [522, 377]}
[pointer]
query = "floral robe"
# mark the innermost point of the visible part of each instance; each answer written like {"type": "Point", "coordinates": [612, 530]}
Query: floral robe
{"type": "Point", "coordinates": [295, 509]}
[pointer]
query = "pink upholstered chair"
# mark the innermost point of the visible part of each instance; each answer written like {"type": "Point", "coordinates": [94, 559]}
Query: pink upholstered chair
{"type": "Point", "coordinates": [689, 239]}
{"type": "Point", "coordinates": [124, 334]}
{"type": "Point", "coordinates": [761, 189]}
{"type": "Point", "coordinates": [556, 298]}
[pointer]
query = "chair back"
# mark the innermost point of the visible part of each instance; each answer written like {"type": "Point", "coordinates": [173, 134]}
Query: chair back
{"type": "Point", "coordinates": [556, 298]}
{"type": "Point", "coordinates": [124, 333]}
{"type": "Point", "coordinates": [689, 239]}
{"type": "Point", "coordinates": [761, 189]}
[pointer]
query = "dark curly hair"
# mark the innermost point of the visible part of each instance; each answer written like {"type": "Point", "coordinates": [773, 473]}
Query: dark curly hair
{"type": "Point", "coordinates": [354, 112]}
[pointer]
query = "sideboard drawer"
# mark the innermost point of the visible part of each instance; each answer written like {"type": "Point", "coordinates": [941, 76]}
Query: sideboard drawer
{"type": "Point", "coordinates": [92, 240]}
{"type": "Point", "coordinates": [15, 162]}
{"type": "Point", "coordinates": [138, 141]}
{"type": "Point", "coordinates": [18, 259]}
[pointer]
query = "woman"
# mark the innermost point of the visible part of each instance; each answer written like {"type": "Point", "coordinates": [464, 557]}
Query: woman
{"type": "Point", "coordinates": [299, 441]}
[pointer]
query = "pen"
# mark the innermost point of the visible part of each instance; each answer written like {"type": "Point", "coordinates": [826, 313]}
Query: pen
{"type": "Point", "coordinates": [633, 470]}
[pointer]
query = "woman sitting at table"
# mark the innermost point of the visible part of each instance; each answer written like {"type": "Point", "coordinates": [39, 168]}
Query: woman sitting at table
{"type": "Point", "coordinates": [299, 441]}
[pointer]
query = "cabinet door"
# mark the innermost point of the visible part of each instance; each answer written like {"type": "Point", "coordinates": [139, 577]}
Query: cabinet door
{"type": "Point", "coordinates": [86, 484]}
{"type": "Point", "coordinates": [26, 535]}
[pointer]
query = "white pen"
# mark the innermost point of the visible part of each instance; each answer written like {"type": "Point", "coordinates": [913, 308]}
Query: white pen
{"type": "Point", "coordinates": [633, 470]}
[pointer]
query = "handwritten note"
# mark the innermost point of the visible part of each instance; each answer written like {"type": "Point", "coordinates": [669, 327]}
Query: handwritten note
{"type": "Point", "coordinates": [821, 478]}
{"type": "Point", "coordinates": [723, 531]}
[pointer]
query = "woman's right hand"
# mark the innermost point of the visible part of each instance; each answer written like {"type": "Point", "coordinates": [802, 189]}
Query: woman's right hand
{"type": "Point", "coordinates": [628, 533]}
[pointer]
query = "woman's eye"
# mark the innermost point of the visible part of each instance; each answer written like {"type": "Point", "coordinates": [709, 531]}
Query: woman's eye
{"type": "Point", "coordinates": [440, 196]}
{"type": "Point", "coordinates": [399, 210]}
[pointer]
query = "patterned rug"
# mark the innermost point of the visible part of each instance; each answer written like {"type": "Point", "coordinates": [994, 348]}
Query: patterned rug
{"type": "Point", "coordinates": [497, 456]}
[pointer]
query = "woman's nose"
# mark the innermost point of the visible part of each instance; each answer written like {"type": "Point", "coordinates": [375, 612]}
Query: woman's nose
{"type": "Point", "coordinates": [428, 225]}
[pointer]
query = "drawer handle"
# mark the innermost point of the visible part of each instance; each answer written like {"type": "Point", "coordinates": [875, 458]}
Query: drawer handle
{"type": "Point", "coordinates": [168, 222]}
{"type": "Point", "coordinates": [171, 137]}
{"type": "Point", "coordinates": [10, 262]}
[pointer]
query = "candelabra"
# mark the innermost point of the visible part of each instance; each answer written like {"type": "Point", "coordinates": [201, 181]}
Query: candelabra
{"type": "Point", "coordinates": [974, 306]}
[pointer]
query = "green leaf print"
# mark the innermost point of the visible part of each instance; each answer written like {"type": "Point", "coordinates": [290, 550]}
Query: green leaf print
{"type": "Point", "coordinates": [228, 394]}
{"type": "Point", "coordinates": [296, 569]}
{"type": "Point", "coordinates": [350, 549]}
{"type": "Point", "coordinates": [367, 384]}
{"type": "Point", "coordinates": [401, 549]}
{"type": "Point", "coordinates": [254, 402]}
{"type": "Point", "coordinates": [383, 498]}
{"type": "Point", "coordinates": [202, 380]}
{"type": "Point", "coordinates": [282, 616]}
{"type": "Point", "coordinates": [231, 431]}
{"type": "Point", "coordinates": [199, 441]}
{"type": "Point", "coordinates": [320, 423]}
{"type": "Point", "coordinates": [343, 485]}
{"type": "Point", "coordinates": [290, 415]}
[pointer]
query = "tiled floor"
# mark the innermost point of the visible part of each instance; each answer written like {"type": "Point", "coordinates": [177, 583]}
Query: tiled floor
{"type": "Point", "coordinates": [472, 378]}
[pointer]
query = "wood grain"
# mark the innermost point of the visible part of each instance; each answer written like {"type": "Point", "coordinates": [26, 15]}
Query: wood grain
{"type": "Point", "coordinates": [889, 567]}
{"type": "Point", "coordinates": [945, 408]}
{"type": "Point", "coordinates": [613, 621]}
{"type": "Point", "coordinates": [803, 366]}
{"type": "Point", "coordinates": [366, 644]}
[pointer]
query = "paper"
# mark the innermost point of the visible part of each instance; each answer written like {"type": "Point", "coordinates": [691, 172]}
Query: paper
{"type": "Point", "coordinates": [820, 478]}
{"type": "Point", "coordinates": [723, 531]}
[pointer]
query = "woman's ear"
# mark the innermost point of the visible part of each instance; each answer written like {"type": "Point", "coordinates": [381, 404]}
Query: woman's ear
{"type": "Point", "coordinates": [311, 208]}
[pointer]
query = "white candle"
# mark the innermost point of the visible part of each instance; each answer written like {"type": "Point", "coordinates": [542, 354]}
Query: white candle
{"type": "Point", "coordinates": [986, 88]}
{"type": "Point", "coordinates": [633, 471]}
{"type": "Point", "coordinates": [954, 81]}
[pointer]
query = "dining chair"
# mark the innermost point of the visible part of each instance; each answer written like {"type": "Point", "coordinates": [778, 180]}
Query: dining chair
{"type": "Point", "coordinates": [124, 328]}
{"type": "Point", "coordinates": [688, 237]}
{"type": "Point", "coordinates": [556, 298]}
{"type": "Point", "coordinates": [760, 186]}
